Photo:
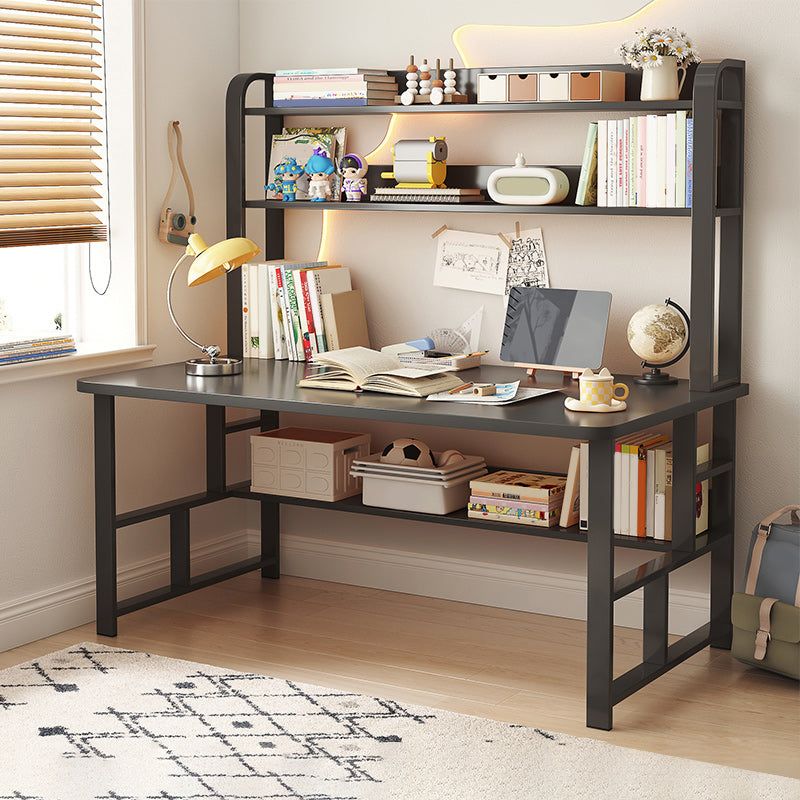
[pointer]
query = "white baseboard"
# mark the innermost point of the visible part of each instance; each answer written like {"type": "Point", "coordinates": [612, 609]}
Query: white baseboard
{"type": "Point", "coordinates": [537, 591]}
{"type": "Point", "coordinates": [62, 607]}
{"type": "Point", "coordinates": [36, 616]}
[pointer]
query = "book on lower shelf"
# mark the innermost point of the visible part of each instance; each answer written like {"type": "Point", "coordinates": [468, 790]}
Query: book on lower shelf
{"type": "Point", "coordinates": [642, 476]}
{"type": "Point", "coordinates": [526, 498]}
{"type": "Point", "coordinates": [356, 369]}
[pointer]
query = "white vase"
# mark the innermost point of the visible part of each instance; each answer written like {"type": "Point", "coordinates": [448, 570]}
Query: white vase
{"type": "Point", "coordinates": [661, 82]}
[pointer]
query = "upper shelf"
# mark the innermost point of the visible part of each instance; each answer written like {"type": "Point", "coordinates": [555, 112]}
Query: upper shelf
{"type": "Point", "coordinates": [472, 108]}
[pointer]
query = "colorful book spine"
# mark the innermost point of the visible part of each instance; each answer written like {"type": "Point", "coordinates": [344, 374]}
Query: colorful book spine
{"type": "Point", "coordinates": [266, 346]}
{"type": "Point", "coordinates": [294, 315]}
{"type": "Point", "coordinates": [307, 330]}
{"type": "Point", "coordinates": [36, 355]}
{"type": "Point", "coordinates": [280, 274]}
{"type": "Point", "coordinates": [479, 499]}
{"type": "Point", "coordinates": [680, 158]}
{"type": "Point", "coordinates": [641, 162]}
{"type": "Point", "coordinates": [625, 146]}
{"type": "Point", "coordinates": [245, 278]}
{"type": "Point", "coordinates": [611, 155]}
{"type": "Point", "coordinates": [280, 73]}
{"type": "Point", "coordinates": [339, 94]}
{"type": "Point", "coordinates": [278, 338]}
{"type": "Point", "coordinates": [672, 159]}
{"type": "Point", "coordinates": [602, 163]}
{"type": "Point", "coordinates": [326, 102]}
{"type": "Point", "coordinates": [661, 162]}
{"type": "Point", "coordinates": [514, 516]}
{"type": "Point", "coordinates": [586, 194]}
{"type": "Point", "coordinates": [689, 160]}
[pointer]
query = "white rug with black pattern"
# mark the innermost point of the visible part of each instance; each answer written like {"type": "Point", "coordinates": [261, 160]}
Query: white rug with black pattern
{"type": "Point", "coordinates": [95, 722]}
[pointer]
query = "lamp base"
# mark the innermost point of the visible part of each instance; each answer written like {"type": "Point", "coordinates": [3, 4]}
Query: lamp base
{"type": "Point", "coordinates": [221, 365]}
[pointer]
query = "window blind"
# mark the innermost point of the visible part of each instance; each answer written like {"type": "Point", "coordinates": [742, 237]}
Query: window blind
{"type": "Point", "coordinates": [50, 111]}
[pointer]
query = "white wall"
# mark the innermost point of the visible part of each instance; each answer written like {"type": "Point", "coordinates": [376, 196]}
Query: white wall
{"type": "Point", "coordinates": [46, 472]}
{"type": "Point", "coordinates": [640, 260]}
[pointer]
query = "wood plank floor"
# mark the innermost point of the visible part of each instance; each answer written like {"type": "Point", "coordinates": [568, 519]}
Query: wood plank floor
{"type": "Point", "coordinates": [488, 662]}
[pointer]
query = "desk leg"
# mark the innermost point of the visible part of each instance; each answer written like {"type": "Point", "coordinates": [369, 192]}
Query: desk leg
{"type": "Point", "coordinates": [270, 515]}
{"type": "Point", "coordinates": [722, 512]}
{"type": "Point", "coordinates": [600, 598]}
{"type": "Point", "coordinates": [105, 509]}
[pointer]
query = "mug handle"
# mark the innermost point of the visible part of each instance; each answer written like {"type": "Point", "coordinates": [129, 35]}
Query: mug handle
{"type": "Point", "coordinates": [614, 391]}
{"type": "Point", "coordinates": [680, 83]}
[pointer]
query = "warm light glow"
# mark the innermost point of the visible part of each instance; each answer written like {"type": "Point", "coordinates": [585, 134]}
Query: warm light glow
{"type": "Point", "coordinates": [385, 141]}
{"type": "Point", "coordinates": [323, 237]}
{"type": "Point", "coordinates": [494, 28]}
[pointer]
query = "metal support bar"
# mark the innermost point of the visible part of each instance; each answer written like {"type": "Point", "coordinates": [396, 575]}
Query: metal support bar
{"type": "Point", "coordinates": [270, 515]}
{"type": "Point", "coordinates": [180, 571]}
{"type": "Point", "coordinates": [722, 513]}
{"type": "Point", "coordinates": [684, 482]}
{"type": "Point", "coordinates": [600, 602]}
{"type": "Point", "coordinates": [638, 677]}
{"type": "Point", "coordinates": [216, 469]}
{"type": "Point", "coordinates": [654, 621]}
{"type": "Point", "coordinates": [105, 493]}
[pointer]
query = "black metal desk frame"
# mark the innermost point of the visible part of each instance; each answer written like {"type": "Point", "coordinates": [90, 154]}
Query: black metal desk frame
{"type": "Point", "coordinates": [269, 387]}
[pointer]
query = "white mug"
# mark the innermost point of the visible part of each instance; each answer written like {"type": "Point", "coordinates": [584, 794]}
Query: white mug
{"type": "Point", "coordinates": [598, 388]}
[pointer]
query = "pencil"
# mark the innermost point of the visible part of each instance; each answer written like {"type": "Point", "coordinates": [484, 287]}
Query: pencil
{"type": "Point", "coordinates": [460, 388]}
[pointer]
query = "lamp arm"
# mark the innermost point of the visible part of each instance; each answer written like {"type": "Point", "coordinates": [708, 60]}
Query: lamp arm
{"type": "Point", "coordinates": [183, 333]}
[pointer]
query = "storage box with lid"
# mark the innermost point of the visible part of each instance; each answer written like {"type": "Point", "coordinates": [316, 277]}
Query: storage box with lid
{"type": "Point", "coordinates": [604, 85]}
{"type": "Point", "coordinates": [306, 462]}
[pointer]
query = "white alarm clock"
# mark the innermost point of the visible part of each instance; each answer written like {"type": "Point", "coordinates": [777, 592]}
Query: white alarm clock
{"type": "Point", "coordinates": [523, 185]}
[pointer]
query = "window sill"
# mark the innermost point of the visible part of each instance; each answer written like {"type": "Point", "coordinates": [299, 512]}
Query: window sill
{"type": "Point", "coordinates": [88, 358]}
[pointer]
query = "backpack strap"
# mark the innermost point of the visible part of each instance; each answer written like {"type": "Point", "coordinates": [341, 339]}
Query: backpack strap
{"type": "Point", "coordinates": [764, 528]}
{"type": "Point", "coordinates": [763, 635]}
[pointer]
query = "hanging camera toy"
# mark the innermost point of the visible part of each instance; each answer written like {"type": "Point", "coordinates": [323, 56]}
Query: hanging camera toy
{"type": "Point", "coordinates": [175, 227]}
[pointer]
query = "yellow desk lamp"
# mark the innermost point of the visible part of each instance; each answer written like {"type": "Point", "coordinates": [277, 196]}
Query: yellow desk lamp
{"type": "Point", "coordinates": [210, 263]}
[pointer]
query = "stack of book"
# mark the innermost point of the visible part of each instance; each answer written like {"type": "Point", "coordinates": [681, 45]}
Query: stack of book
{"type": "Point", "coordinates": [301, 309]}
{"type": "Point", "coordinates": [639, 162]}
{"type": "Point", "coordinates": [643, 487]}
{"type": "Point", "coordinates": [16, 347]}
{"type": "Point", "coordinates": [347, 86]}
{"type": "Point", "coordinates": [522, 497]}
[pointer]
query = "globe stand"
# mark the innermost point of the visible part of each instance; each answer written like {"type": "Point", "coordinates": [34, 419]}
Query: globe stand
{"type": "Point", "coordinates": [655, 377]}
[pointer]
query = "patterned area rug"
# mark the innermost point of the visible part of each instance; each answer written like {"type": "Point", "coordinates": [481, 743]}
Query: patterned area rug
{"type": "Point", "coordinates": [98, 722]}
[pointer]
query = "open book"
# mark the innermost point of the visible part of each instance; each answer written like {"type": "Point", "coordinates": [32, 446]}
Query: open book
{"type": "Point", "coordinates": [358, 368]}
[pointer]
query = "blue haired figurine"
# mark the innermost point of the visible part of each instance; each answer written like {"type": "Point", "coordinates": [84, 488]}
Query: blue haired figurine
{"type": "Point", "coordinates": [287, 174]}
{"type": "Point", "coordinates": [319, 169]}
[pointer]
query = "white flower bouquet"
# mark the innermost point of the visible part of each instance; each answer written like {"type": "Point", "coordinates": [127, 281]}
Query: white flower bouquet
{"type": "Point", "coordinates": [648, 48]}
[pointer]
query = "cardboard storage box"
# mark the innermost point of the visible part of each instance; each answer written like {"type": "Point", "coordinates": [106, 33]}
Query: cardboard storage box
{"type": "Point", "coordinates": [602, 85]}
{"type": "Point", "coordinates": [493, 88]}
{"type": "Point", "coordinates": [522, 87]}
{"type": "Point", "coordinates": [305, 462]}
{"type": "Point", "coordinates": [553, 86]}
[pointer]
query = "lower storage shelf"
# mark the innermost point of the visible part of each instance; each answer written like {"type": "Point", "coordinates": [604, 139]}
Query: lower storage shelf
{"type": "Point", "coordinates": [354, 505]}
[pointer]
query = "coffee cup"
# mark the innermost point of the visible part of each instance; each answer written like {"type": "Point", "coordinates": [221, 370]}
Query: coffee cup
{"type": "Point", "coordinates": [599, 389]}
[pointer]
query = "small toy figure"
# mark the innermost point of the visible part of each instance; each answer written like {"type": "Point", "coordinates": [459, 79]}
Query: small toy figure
{"type": "Point", "coordinates": [319, 169]}
{"type": "Point", "coordinates": [287, 174]}
{"type": "Point", "coordinates": [354, 184]}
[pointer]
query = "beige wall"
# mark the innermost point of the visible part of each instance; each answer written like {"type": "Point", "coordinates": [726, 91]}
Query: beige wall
{"type": "Point", "coordinates": [46, 472]}
{"type": "Point", "coordinates": [193, 47]}
{"type": "Point", "coordinates": [639, 260]}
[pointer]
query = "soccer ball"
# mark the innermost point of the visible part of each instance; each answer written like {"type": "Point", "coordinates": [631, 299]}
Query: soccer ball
{"type": "Point", "coordinates": [407, 452]}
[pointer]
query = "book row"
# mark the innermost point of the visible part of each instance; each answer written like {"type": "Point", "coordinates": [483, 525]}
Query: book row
{"type": "Point", "coordinates": [295, 310]}
{"type": "Point", "coordinates": [642, 503]}
{"type": "Point", "coordinates": [299, 88]}
{"type": "Point", "coordinates": [15, 348]}
{"type": "Point", "coordinates": [643, 161]}
{"type": "Point", "coordinates": [643, 487]}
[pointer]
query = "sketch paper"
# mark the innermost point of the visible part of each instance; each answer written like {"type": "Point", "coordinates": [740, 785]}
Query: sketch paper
{"type": "Point", "coordinates": [476, 262]}
{"type": "Point", "coordinates": [527, 263]}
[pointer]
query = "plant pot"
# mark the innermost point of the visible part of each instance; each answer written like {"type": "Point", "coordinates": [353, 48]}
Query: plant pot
{"type": "Point", "coordinates": [661, 82]}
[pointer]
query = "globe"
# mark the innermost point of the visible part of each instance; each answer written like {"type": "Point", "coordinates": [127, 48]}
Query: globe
{"type": "Point", "coordinates": [658, 334]}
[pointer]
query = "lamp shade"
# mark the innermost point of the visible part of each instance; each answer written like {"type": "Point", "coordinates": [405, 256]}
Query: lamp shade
{"type": "Point", "coordinates": [219, 259]}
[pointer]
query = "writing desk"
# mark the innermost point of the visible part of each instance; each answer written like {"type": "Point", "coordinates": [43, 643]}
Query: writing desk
{"type": "Point", "coordinates": [269, 387]}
